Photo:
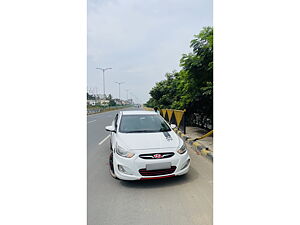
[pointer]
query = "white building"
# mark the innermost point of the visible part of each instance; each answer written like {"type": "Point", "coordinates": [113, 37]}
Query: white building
{"type": "Point", "coordinates": [104, 102]}
{"type": "Point", "coordinates": [91, 102]}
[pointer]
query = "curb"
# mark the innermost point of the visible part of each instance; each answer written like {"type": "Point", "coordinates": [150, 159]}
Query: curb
{"type": "Point", "coordinates": [199, 148]}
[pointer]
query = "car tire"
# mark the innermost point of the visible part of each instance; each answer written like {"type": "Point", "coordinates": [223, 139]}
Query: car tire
{"type": "Point", "coordinates": [111, 166]}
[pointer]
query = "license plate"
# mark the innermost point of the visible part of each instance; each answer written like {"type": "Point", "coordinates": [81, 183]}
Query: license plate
{"type": "Point", "coordinates": [158, 166]}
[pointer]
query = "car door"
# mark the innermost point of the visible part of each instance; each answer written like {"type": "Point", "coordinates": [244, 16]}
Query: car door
{"type": "Point", "coordinates": [113, 134]}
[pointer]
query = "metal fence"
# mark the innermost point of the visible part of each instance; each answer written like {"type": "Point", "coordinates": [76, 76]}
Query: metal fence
{"type": "Point", "coordinates": [200, 120]}
{"type": "Point", "coordinates": [104, 109]}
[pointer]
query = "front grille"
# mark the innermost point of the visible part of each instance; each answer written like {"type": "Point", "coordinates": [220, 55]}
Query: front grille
{"type": "Point", "coordinates": [145, 172]}
{"type": "Point", "coordinates": [151, 155]}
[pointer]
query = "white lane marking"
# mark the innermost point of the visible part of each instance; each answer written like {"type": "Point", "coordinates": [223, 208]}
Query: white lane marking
{"type": "Point", "coordinates": [101, 142]}
{"type": "Point", "coordinates": [92, 121]}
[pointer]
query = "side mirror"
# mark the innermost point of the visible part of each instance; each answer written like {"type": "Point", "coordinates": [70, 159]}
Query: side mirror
{"type": "Point", "coordinates": [173, 126]}
{"type": "Point", "coordinates": [110, 129]}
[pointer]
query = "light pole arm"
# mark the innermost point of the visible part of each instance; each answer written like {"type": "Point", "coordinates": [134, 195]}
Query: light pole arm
{"type": "Point", "coordinates": [103, 70]}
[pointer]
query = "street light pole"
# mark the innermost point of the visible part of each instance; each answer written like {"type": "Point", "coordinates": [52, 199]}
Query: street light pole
{"type": "Point", "coordinates": [103, 70]}
{"type": "Point", "coordinates": [119, 83]}
{"type": "Point", "coordinates": [127, 94]}
{"type": "Point", "coordinates": [136, 98]}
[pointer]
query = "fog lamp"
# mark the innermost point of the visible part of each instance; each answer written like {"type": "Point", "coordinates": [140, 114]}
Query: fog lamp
{"type": "Point", "coordinates": [186, 164]}
{"type": "Point", "coordinates": [123, 170]}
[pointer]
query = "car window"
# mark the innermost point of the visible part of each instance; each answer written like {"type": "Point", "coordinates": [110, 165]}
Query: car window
{"type": "Point", "coordinates": [143, 124]}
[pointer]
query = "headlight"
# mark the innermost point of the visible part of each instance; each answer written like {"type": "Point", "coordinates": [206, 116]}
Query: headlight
{"type": "Point", "coordinates": [122, 152]}
{"type": "Point", "coordinates": [182, 149]}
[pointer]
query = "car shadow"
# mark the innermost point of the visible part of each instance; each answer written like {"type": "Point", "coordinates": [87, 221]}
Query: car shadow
{"type": "Point", "coordinates": [159, 183]}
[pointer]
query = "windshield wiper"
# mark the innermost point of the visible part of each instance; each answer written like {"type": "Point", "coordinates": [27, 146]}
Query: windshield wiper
{"type": "Point", "coordinates": [142, 131]}
{"type": "Point", "coordinates": [164, 130]}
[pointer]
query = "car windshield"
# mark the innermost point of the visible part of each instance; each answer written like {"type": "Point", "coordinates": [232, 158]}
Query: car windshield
{"type": "Point", "coordinates": [143, 124]}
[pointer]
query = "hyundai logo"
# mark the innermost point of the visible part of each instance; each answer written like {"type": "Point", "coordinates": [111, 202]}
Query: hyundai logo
{"type": "Point", "coordinates": [157, 156]}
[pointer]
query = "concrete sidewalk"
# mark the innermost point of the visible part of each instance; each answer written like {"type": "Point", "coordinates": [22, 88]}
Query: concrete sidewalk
{"type": "Point", "coordinates": [203, 146]}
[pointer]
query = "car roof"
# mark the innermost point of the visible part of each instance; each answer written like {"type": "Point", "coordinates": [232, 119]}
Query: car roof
{"type": "Point", "coordinates": [138, 112]}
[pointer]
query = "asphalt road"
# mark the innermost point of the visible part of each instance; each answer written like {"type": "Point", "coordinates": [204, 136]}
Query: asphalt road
{"type": "Point", "coordinates": [179, 200]}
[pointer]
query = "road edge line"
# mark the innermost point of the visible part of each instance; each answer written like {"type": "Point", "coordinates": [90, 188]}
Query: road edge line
{"type": "Point", "coordinates": [101, 142]}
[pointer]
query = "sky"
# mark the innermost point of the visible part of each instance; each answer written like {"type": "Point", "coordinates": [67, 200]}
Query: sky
{"type": "Point", "coordinates": [141, 40]}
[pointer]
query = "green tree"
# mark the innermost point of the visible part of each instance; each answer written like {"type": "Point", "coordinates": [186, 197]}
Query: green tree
{"type": "Point", "coordinates": [192, 87]}
{"type": "Point", "coordinates": [90, 97]}
{"type": "Point", "coordinates": [162, 94]}
{"type": "Point", "coordinates": [112, 102]}
{"type": "Point", "coordinates": [199, 75]}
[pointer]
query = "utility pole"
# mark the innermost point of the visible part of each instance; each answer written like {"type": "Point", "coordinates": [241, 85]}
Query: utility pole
{"type": "Point", "coordinates": [127, 94]}
{"type": "Point", "coordinates": [119, 83]}
{"type": "Point", "coordinates": [96, 95]}
{"type": "Point", "coordinates": [96, 91]}
{"type": "Point", "coordinates": [136, 98]}
{"type": "Point", "coordinates": [103, 70]}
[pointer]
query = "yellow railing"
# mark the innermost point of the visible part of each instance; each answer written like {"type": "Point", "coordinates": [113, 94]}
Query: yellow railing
{"type": "Point", "coordinates": [148, 109]}
{"type": "Point", "coordinates": [172, 116]}
{"type": "Point", "coordinates": [204, 136]}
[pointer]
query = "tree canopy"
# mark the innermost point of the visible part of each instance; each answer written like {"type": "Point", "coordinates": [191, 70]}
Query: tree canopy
{"type": "Point", "coordinates": [192, 87]}
{"type": "Point", "coordinates": [90, 97]}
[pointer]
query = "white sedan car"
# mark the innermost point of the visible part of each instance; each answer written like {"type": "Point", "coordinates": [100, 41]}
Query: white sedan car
{"type": "Point", "coordinates": [145, 147]}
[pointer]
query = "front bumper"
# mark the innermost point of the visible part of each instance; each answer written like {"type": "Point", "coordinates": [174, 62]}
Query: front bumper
{"type": "Point", "coordinates": [133, 165]}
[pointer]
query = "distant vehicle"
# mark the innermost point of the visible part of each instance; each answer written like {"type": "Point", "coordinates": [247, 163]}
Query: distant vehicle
{"type": "Point", "coordinates": [145, 147]}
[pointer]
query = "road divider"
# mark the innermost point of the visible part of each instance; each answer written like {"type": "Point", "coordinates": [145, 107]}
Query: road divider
{"type": "Point", "coordinates": [91, 111]}
{"type": "Point", "coordinates": [199, 148]}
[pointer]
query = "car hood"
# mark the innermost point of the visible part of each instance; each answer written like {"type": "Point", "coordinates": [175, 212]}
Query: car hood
{"type": "Point", "coordinates": [143, 141]}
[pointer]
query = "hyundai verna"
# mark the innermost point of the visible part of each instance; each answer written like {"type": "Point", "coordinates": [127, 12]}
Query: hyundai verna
{"type": "Point", "coordinates": [145, 147]}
